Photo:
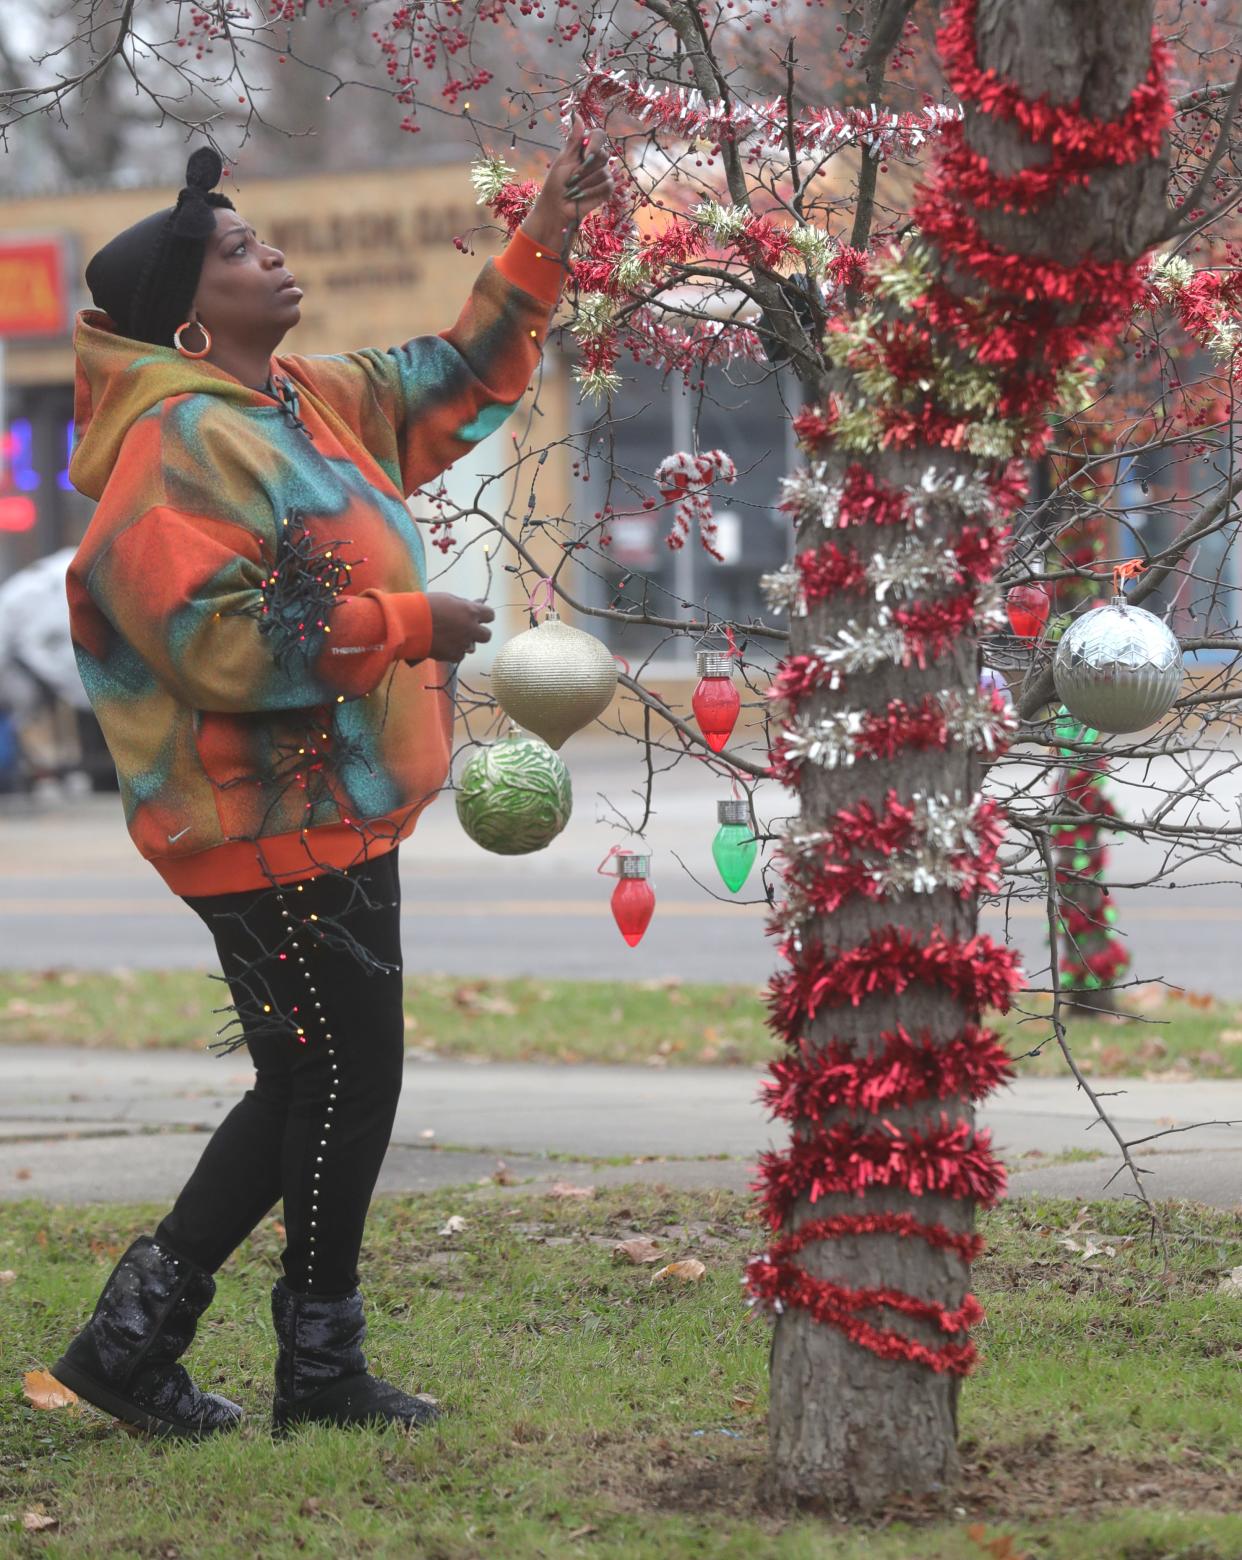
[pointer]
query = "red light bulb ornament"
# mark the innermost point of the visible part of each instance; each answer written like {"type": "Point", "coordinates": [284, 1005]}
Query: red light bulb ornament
{"type": "Point", "coordinates": [633, 901]}
{"type": "Point", "coordinates": [1028, 607]}
{"type": "Point", "coordinates": [716, 701]}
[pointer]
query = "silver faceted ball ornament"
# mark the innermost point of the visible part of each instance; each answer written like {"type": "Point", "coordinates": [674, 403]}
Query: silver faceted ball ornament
{"type": "Point", "coordinates": [514, 796]}
{"type": "Point", "coordinates": [554, 679]}
{"type": "Point", "coordinates": [1118, 667]}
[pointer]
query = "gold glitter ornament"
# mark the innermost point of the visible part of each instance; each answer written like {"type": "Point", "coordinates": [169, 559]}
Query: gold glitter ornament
{"type": "Point", "coordinates": [554, 679]}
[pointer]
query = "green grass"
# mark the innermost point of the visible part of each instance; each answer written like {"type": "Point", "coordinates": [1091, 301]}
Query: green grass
{"type": "Point", "coordinates": [594, 1414]}
{"type": "Point", "coordinates": [660, 1023]}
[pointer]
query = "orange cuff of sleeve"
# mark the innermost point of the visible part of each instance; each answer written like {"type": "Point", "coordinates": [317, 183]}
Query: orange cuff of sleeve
{"type": "Point", "coordinates": [531, 267]}
{"type": "Point", "coordinates": [413, 614]}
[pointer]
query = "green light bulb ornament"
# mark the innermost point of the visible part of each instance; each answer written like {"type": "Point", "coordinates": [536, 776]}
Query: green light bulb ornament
{"type": "Point", "coordinates": [735, 847]}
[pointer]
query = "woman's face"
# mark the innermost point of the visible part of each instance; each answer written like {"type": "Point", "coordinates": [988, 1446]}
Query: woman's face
{"type": "Point", "coordinates": [243, 294]}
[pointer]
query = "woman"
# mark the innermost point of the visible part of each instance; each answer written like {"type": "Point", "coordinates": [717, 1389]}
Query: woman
{"type": "Point", "coordinates": [250, 623]}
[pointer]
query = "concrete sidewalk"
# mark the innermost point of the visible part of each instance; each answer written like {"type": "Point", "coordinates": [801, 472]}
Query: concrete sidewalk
{"type": "Point", "coordinates": [88, 1126]}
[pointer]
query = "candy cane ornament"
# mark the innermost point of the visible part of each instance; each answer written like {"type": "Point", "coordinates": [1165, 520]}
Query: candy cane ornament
{"type": "Point", "coordinates": [685, 480]}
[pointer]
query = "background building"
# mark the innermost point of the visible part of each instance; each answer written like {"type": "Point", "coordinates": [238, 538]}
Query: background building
{"type": "Point", "coordinates": [374, 252]}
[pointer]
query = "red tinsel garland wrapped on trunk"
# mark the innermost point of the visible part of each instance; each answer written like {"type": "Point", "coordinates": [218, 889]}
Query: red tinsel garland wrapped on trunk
{"type": "Point", "coordinates": [976, 307]}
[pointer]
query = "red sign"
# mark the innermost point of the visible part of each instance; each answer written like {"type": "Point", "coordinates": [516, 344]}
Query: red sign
{"type": "Point", "coordinates": [33, 297]}
{"type": "Point", "coordinates": [17, 514]}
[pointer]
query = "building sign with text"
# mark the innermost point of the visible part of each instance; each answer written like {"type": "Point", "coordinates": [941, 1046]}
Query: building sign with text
{"type": "Point", "coordinates": [34, 297]}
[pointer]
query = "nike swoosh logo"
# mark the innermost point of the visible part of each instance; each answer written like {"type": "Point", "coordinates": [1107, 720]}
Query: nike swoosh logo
{"type": "Point", "coordinates": [173, 838]}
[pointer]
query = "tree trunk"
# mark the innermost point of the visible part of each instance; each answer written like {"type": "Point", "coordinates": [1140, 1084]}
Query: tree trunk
{"type": "Point", "coordinates": [849, 1428]}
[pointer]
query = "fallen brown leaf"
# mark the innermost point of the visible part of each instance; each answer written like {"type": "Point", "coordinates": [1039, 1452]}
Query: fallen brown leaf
{"type": "Point", "coordinates": [309, 1507]}
{"type": "Point", "coordinates": [499, 1007]}
{"type": "Point", "coordinates": [688, 1271]}
{"type": "Point", "coordinates": [1178, 1073]}
{"type": "Point", "coordinates": [475, 1001]}
{"type": "Point", "coordinates": [8, 1276]}
{"type": "Point", "coordinates": [565, 1189]}
{"type": "Point", "coordinates": [21, 1175]}
{"type": "Point", "coordinates": [1000, 1548]}
{"type": "Point", "coordinates": [44, 1391]}
{"type": "Point", "coordinates": [38, 1521]}
{"type": "Point", "coordinates": [640, 1249]}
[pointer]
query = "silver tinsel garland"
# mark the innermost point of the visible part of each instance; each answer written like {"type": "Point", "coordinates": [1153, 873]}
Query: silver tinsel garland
{"type": "Point", "coordinates": [858, 649]}
{"type": "Point", "coordinates": [956, 496]}
{"type": "Point", "coordinates": [911, 566]}
{"type": "Point", "coordinates": [829, 742]}
{"type": "Point", "coordinates": [942, 829]}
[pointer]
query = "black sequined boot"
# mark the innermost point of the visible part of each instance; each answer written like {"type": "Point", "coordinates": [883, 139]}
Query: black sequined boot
{"type": "Point", "coordinates": [124, 1359]}
{"type": "Point", "coordinates": [321, 1371]}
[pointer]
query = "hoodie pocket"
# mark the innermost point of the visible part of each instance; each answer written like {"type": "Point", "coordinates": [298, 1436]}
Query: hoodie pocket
{"type": "Point", "coordinates": [264, 770]}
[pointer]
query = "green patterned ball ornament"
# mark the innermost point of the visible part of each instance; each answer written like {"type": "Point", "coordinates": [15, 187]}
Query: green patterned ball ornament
{"type": "Point", "coordinates": [514, 796]}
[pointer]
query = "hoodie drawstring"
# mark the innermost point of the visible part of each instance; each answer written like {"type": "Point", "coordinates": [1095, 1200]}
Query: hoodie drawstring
{"type": "Point", "coordinates": [289, 402]}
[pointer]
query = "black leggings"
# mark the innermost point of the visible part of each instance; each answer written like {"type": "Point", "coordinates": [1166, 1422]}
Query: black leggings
{"type": "Point", "coordinates": [326, 1032]}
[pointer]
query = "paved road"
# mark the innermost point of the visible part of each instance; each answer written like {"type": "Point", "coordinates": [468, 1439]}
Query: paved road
{"type": "Point", "coordinates": [74, 892]}
{"type": "Point", "coordinates": [84, 1126]}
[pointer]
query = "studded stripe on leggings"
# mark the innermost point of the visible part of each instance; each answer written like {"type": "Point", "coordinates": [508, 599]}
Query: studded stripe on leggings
{"type": "Point", "coordinates": [315, 1126]}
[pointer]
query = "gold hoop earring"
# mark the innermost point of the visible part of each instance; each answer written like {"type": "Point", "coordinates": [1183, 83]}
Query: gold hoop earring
{"type": "Point", "coordinates": [185, 351]}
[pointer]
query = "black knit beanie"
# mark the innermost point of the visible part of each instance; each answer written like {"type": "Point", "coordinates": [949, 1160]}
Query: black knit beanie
{"type": "Point", "coordinates": [146, 277]}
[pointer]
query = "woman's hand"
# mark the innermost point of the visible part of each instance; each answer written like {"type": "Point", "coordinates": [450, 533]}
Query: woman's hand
{"type": "Point", "coordinates": [577, 182]}
{"type": "Point", "coordinates": [457, 626]}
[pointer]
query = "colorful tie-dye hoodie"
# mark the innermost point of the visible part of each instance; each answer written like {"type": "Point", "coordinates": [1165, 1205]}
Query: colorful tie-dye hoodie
{"type": "Point", "coordinates": [249, 593]}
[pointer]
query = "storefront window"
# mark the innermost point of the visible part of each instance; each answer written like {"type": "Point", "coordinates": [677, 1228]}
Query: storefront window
{"type": "Point", "coordinates": [39, 508]}
{"type": "Point", "coordinates": [747, 413]}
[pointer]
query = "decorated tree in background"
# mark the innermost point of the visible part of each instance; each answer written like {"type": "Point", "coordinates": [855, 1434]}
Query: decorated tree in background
{"type": "Point", "coordinates": [925, 339]}
{"type": "Point", "coordinates": [1091, 951]}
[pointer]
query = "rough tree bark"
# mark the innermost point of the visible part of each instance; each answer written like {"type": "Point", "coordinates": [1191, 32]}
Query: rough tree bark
{"type": "Point", "coordinates": [848, 1428]}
